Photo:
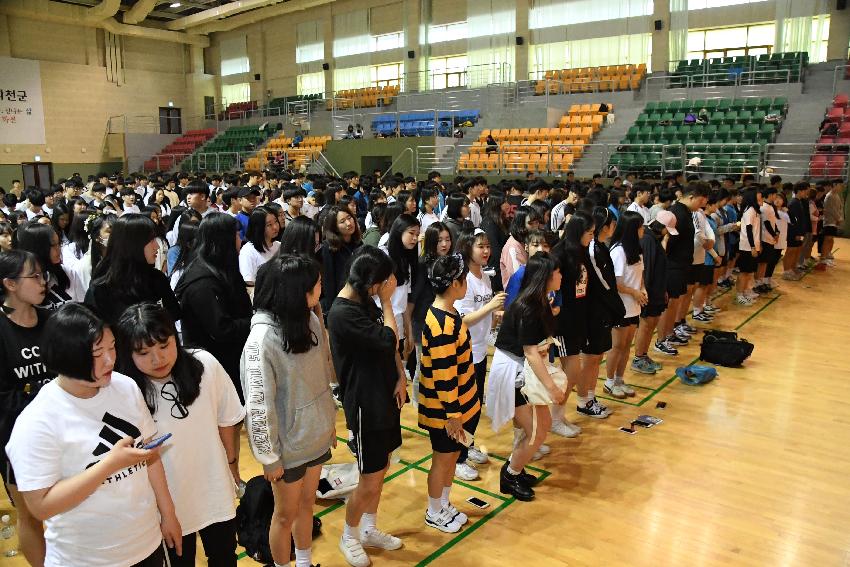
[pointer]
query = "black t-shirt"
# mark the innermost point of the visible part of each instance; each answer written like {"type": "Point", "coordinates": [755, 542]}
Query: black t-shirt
{"type": "Point", "coordinates": [680, 248]}
{"type": "Point", "coordinates": [364, 351]}
{"type": "Point", "coordinates": [20, 354]}
{"type": "Point", "coordinates": [110, 303]}
{"type": "Point", "coordinates": [515, 333]}
{"type": "Point", "coordinates": [55, 298]}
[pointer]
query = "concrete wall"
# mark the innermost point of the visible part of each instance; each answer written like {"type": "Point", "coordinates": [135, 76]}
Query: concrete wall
{"type": "Point", "coordinates": [348, 155]}
{"type": "Point", "coordinates": [140, 147]}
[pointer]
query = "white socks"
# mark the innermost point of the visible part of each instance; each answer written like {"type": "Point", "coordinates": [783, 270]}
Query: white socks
{"type": "Point", "coordinates": [557, 412]}
{"type": "Point", "coordinates": [583, 400]}
{"type": "Point", "coordinates": [303, 557]}
{"type": "Point", "coordinates": [434, 505]}
{"type": "Point", "coordinates": [615, 381]}
{"type": "Point", "coordinates": [444, 498]}
{"type": "Point", "coordinates": [350, 532]}
{"type": "Point", "coordinates": [368, 522]}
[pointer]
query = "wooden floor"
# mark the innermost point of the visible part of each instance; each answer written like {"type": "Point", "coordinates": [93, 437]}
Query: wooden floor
{"type": "Point", "coordinates": [750, 470]}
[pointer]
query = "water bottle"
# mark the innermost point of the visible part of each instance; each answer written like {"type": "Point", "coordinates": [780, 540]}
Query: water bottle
{"type": "Point", "coordinates": [7, 532]}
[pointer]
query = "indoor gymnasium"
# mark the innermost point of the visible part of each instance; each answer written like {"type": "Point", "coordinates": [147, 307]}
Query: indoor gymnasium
{"type": "Point", "coordinates": [424, 282]}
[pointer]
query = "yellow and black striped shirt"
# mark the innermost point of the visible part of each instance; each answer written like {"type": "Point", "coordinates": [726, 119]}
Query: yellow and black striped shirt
{"type": "Point", "coordinates": [447, 388]}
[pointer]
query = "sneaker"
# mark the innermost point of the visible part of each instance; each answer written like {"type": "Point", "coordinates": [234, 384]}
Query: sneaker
{"type": "Point", "coordinates": [681, 331]}
{"type": "Point", "coordinates": [711, 309]}
{"type": "Point", "coordinates": [513, 485]}
{"type": "Point", "coordinates": [465, 471]}
{"type": "Point", "coordinates": [459, 516]}
{"type": "Point", "coordinates": [665, 347]}
{"type": "Point", "coordinates": [642, 365]}
{"type": "Point", "coordinates": [377, 538]}
{"type": "Point", "coordinates": [688, 329]}
{"type": "Point", "coordinates": [658, 366]}
{"type": "Point", "coordinates": [743, 300]}
{"type": "Point", "coordinates": [629, 391]}
{"type": "Point", "coordinates": [477, 456]}
{"type": "Point", "coordinates": [529, 479]}
{"type": "Point", "coordinates": [725, 284]}
{"type": "Point", "coordinates": [602, 407]}
{"type": "Point", "coordinates": [353, 552]}
{"type": "Point", "coordinates": [703, 317]}
{"type": "Point", "coordinates": [676, 340]}
{"type": "Point", "coordinates": [789, 275]}
{"type": "Point", "coordinates": [544, 449]}
{"type": "Point", "coordinates": [614, 391]}
{"type": "Point", "coordinates": [444, 521]}
{"type": "Point", "coordinates": [536, 456]}
{"type": "Point", "coordinates": [594, 409]}
{"type": "Point", "coordinates": [562, 429]}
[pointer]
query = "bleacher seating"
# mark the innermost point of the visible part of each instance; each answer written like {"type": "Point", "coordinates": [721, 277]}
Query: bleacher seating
{"type": "Point", "coordinates": [591, 79]}
{"type": "Point", "coordinates": [552, 150]}
{"type": "Point", "coordinates": [280, 102]}
{"type": "Point", "coordinates": [830, 156]}
{"type": "Point", "coordinates": [232, 142]}
{"type": "Point", "coordinates": [237, 110]}
{"type": "Point", "coordinates": [422, 123]}
{"type": "Point", "coordinates": [773, 68]}
{"type": "Point", "coordinates": [174, 152]}
{"type": "Point", "coordinates": [730, 143]}
{"type": "Point", "coordinates": [306, 151]}
{"type": "Point", "coordinates": [364, 98]}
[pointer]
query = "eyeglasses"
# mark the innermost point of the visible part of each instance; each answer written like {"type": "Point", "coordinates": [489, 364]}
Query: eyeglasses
{"type": "Point", "coordinates": [169, 393]}
{"type": "Point", "coordinates": [38, 276]}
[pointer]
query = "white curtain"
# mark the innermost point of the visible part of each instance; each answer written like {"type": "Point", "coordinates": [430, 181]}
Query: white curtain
{"type": "Point", "coordinates": [310, 42]}
{"type": "Point", "coordinates": [352, 78]}
{"type": "Point", "coordinates": [351, 33]}
{"type": "Point", "coordinates": [551, 13]}
{"type": "Point", "coordinates": [799, 24]}
{"type": "Point", "coordinates": [678, 31]}
{"type": "Point", "coordinates": [235, 93]}
{"type": "Point", "coordinates": [617, 50]}
{"type": "Point", "coordinates": [491, 27]}
{"type": "Point", "coordinates": [234, 55]}
{"type": "Point", "coordinates": [311, 83]}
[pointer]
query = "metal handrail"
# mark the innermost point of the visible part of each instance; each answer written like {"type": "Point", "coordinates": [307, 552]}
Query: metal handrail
{"type": "Point", "coordinates": [403, 152]}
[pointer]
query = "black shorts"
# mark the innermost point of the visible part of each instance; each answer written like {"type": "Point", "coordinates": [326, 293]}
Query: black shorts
{"type": "Point", "coordinates": [731, 252]}
{"type": "Point", "coordinates": [572, 330]}
{"type": "Point", "coordinates": [627, 322]}
{"type": "Point", "coordinates": [746, 262]}
{"type": "Point", "coordinates": [295, 474]}
{"type": "Point", "coordinates": [705, 274]}
{"type": "Point", "coordinates": [375, 447]}
{"type": "Point", "coordinates": [442, 443]}
{"type": "Point", "coordinates": [519, 398]}
{"type": "Point", "coordinates": [677, 283]}
{"type": "Point", "coordinates": [598, 338]}
{"type": "Point", "coordinates": [830, 231]}
{"type": "Point", "coordinates": [767, 254]}
{"type": "Point", "coordinates": [652, 310]}
{"type": "Point", "coordinates": [794, 243]}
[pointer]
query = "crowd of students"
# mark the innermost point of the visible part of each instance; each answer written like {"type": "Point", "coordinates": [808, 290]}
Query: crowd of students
{"type": "Point", "coordinates": [191, 305]}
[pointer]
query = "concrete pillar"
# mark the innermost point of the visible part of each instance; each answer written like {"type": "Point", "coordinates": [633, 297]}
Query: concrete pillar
{"type": "Point", "coordinates": [661, 39]}
{"type": "Point", "coordinates": [521, 51]}
{"type": "Point", "coordinates": [416, 13]}
{"type": "Point", "coordinates": [839, 33]}
{"type": "Point", "coordinates": [5, 37]}
{"type": "Point", "coordinates": [327, 23]}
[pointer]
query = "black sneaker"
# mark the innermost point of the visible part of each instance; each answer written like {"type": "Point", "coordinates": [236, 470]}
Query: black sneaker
{"type": "Point", "coordinates": [594, 409]}
{"type": "Point", "coordinates": [682, 331]}
{"type": "Point", "coordinates": [703, 317]}
{"type": "Point", "coordinates": [676, 341]}
{"type": "Point", "coordinates": [725, 284]}
{"type": "Point", "coordinates": [514, 485]}
{"type": "Point", "coordinates": [529, 479]}
{"type": "Point", "coordinates": [664, 347]}
{"type": "Point", "coordinates": [690, 330]}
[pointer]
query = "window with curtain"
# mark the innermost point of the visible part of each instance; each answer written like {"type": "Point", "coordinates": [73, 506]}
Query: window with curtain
{"type": "Point", "coordinates": [447, 32]}
{"type": "Point", "coordinates": [702, 4]}
{"type": "Point", "coordinates": [234, 55]}
{"type": "Point", "coordinates": [447, 72]}
{"type": "Point", "coordinates": [756, 39]}
{"type": "Point", "coordinates": [820, 37]}
{"type": "Point", "coordinates": [353, 78]}
{"type": "Point", "coordinates": [631, 49]}
{"type": "Point", "coordinates": [387, 74]}
{"type": "Point", "coordinates": [311, 83]}
{"type": "Point", "coordinates": [351, 33]}
{"type": "Point", "coordinates": [491, 27]}
{"type": "Point", "coordinates": [550, 13]}
{"type": "Point", "coordinates": [387, 41]}
{"type": "Point", "coordinates": [310, 43]}
{"type": "Point", "coordinates": [240, 92]}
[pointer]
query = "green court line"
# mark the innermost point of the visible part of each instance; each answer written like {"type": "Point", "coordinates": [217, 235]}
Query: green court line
{"type": "Point", "coordinates": [603, 378]}
{"type": "Point", "coordinates": [464, 484]}
{"type": "Point", "coordinates": [624, 402]}
{"type": "Point", "coordinates": [330, 508]}
{"type": "Point", "coordinates": [757, 313]}
{"type": "Point", "coordinates": [415, 430]}
{"type": "Point", "coordinates": [529, 467]}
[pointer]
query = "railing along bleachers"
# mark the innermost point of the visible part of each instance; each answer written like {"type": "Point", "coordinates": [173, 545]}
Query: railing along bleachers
{"type": "Point", "coordinates": [363, 98]}
{"type": "Point", "coordinates": [742, 69]}
{"type": "Point", "coordinates": [173, 153]}
{"type": "Point", "coordinates": [228, 149]}
{"type": "Point", "coordinates": [591, 79]}
{"type": "Point", "coordinates": [422, 123]}
{"type": "Point", "coordinates": [830, 156]}
{"type": "Point", "coordinates": [281, 147]}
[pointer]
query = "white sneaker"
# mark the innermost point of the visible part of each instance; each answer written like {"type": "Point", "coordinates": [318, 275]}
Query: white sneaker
{"type": "Point", "coordinates": [379, 539]}
{"type": "Point", "coordinates": [544, 449]}
{"type": "Point", "coordinates": [459, 516]}
{"type": "Point", "coordinates": [628, 390]}
{"type": "Point", "coordinates": [353, 552]}
{"type": "Point", "coordinates": [536, 456]}
{"type": "Point", "coordinates": [477, 456]}
{"type": "Point", "coordinates": [562, 429]}
{"type": "Point", "coordinates": [465, 471]}
{"type": "Point", "coordinates": [443, 521]}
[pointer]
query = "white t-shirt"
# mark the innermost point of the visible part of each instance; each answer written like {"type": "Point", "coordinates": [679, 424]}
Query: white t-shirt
{"type": "Point", "coordinates": [199, 499]}
{"type": "Point", "coordinates": [426, 220]}
{"type": "Point", "coordinates": [768, 216]}
{"type": "Point", "coordinates": [644, 212]}
{"type": "Point", "coordinates": [475, 213]}
{"type": "Point", "coordinates": [632, 276]}
{"type": "Point", "coordinates": [783, 219]}
{"type": "Point", "coordinates": [399, 299]}
{"type": "Point", "coordinates": [702, 232]}
{"type": "Point", "coordinates": [250, 260]}
{"type": "Point", "coordinates": [57, 437]}
{"type": "Point", "coordinates": [479, 292]}
{"type": "Point", "coordinates": [750, 218]}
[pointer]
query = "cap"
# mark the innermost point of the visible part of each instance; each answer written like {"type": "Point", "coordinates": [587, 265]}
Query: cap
{"type": "Point", "coordinates": [245, 191]}
{"type": "Point", "coordinates": [668, 219]}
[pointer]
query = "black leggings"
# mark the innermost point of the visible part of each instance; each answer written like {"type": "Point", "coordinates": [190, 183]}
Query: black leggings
{"type": "Point", "coordinates": [219, 546]}
{"type": "Point", "coordinates": [480, 375]}
{"type": "Point", "coordinates": [155, 559]}
{"type": "Point", "coordinates": [771, 263]}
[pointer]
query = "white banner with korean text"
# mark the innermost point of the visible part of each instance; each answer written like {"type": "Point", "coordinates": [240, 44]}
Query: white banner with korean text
{"type": "Point", "coordinates": [21, 111]}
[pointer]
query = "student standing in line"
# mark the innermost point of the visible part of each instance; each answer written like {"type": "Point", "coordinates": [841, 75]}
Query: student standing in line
{"type": "Point", "coordinates": [341, 239]}
{"type": "Point", "coordinates": [628, 268]}
{"type": "Point", "coordinates": [402, 248]}
{"type": "Point", "coordinates": [449, 404]}
{"type": "Point", "coordinates": [190, 396]}
{"type": "Point", "coordinates": [782, 221]}
{"type": "Point", "coordinates": [22, 373]}
{"type": "Point", "coordinates": [655, 283]}
{"type": "Point", "coordinates": [798, 221]}
{"type": "Point", "coordinates": [496, 224]}
{"type": "Point", "coordinates": [749, 247]}
{"type": "Point", "coordinates": [513, 253]}
{"type": "Point", "coordinates": [833, 219]}
{"type": "Point", "coordinates": [286, 377]}
{"type": "Point", "coordinates": [261, 243]}
{"type": "Point", "coordinates": [102, 509]}
{"type": "Point", "coordinates": [457, 213]}
{"type": "Point", "coordinates": [477, 308]}
{"type": "Point", "coordinates": [769, 234]}
{"type": "Point", "coordinates": [373, 387]}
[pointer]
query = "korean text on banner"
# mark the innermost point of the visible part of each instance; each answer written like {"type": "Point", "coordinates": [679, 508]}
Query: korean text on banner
{"type": "Point", "coordinates": [21, 111]}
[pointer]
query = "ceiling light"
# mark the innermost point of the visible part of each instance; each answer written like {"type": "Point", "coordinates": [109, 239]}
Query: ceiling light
{"type": "Point", "coordinates": [174, 5]}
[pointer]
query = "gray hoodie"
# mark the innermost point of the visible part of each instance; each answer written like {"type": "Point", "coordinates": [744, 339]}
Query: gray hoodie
{"type": "Point", "coordinates": [290, 413]}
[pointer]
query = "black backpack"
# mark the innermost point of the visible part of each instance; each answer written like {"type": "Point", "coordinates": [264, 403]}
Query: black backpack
{"type": "Point", "coordinates": [724, 348]}
{"type": "Point", "coordinates": [253, 518]}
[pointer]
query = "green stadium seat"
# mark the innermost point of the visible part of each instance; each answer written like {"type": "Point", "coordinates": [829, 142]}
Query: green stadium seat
{"type": "Point", "coordinates": [737, 104]}
{"type": "Point", "coordinates": [731, 117]}
{"type": "Point", "coordinates": [679, 117]}
{"type": "Point", "coordinates": [711, 104]}
{"type": "Point", "coordinates": [642, 119]}
{"type": "Point", "coordinates": [745, 116]}
{"type": "Point", "coordinates": [724, 104]}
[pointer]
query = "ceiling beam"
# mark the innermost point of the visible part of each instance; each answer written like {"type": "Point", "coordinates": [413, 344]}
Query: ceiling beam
{"type": "Point", "coordinates": [139, 11]}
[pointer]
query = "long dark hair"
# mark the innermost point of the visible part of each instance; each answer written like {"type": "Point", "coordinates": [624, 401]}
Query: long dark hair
{"type": "Point", "coordinates": [216, 248]}
{"type": "Point", "coordinates": [12, 266]}
{"type": "Point", "coordinates": [147, 325]}
{"type": "Point", "coordinates": [187, 238]}
{"type": "Point", "coordinates": [432, 237]}
{"type": "Point", "coordinates": [519, 226]}
{"type": "Point", "coordinates": [331, 230]}
{"type": "Point", "coordinates": [750, 199]}
{"type": "Point", "coordinates": [405, 260]}
{"type": "Point", "coordinates": [454, 205]}
{"type": "Point", "coordinates": [369, 266]}
{"type": "Point", "coordinates": [626, 235]}
{"type": "Point", "coordinates": [569, 250]}
{"type": "Point", "coordinates": [60, 209]}
{"type": "Point", "coordinates": [299, 237]}
{"type": "Point", "coordinates": [532, 302]}
{"type": "Point", "coordinates": [256, 231]}
{"type": "Point", "coordinates": [37, 238]}
{"type": "Point", "coordinates": [493, 210]}
{"type": "Point", "coordinates": [124, 266]}
{"type": "Point", "coordinates": [281, 289]}
{"type": "Point", "coordinates": [466, 242]}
